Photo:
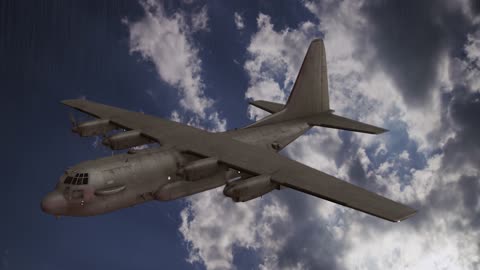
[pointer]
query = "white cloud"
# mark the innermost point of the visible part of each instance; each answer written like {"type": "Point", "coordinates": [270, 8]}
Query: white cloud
{"type": "Point", "coordinates": [405, 248]}
{"type": "Point", "coordinates": [429, 240]}
{"type": "Point", "coordinates": [166, 42]}
{"type": "Point", "coordinates": [471, 66]}
{"type": "Point", "coordinates": [266, 89]}
{"type": "Point", "coordinates": [219, 124]}
{"type": "Point", "coordinates": [404, 155]}
{"type": "Point", "coordinates": [200, 20]}
{"type": "Point", "coordinates": [213, 225]}
{"type": "Point", "coordinates": [238, 19]}
{"type": "Point", "coordinates": [274, 54]}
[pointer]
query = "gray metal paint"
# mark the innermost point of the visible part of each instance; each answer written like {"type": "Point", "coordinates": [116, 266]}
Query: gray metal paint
{"type": "Point", "coordinates": [247, 155]}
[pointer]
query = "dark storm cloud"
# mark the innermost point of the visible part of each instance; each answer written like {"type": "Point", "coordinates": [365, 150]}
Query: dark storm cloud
{"type": "Point", "coordinates": [347, 148]}
{"type": "Point", "coordinates": [464, 148]}
{"type": "Point", "coordinates": [448, 200]}
{"type": "Point", "coordinates": [470, 187]}
{"type": "Point", "coordinates": [357, 173]}
{"type": "Point", "coordinates": [460, 111]}
{"type": "Point", "coordinates": [475, 6]}
{"type": "Point", "coordinates": [410, 37]}
{"type": "Point", "coordinates": [305, 235]}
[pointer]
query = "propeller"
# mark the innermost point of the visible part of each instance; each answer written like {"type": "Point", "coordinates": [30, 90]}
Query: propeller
{"type": "Point", "coordinates": [73, 121]}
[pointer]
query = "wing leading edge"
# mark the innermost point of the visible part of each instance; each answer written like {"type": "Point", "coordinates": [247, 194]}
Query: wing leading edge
{"type": "Point", "coordinates": [303, 178]}
{"type": "Point", "coordinates": [249, 158]}
{"type": "Point", "coordinates": [295, 175]}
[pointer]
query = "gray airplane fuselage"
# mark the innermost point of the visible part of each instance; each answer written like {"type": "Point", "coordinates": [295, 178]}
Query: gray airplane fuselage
{"type": "Point", "coordinates": [192, 160]}
{"type": "Point", "coordinates": [111, 183]}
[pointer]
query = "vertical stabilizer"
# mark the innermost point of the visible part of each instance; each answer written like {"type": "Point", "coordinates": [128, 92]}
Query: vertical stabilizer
{"type": "Point", "coordinates": [310, 91]}
{"type": "Point", "coordinates": [307, 106]}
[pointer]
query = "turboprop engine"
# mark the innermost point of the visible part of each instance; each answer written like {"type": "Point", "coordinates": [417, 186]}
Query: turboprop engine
{"type": "Point", "coordinates": [92, 128]}
{"type": "Point", "coordinates": [199, 169]}
{"type": "Point", "coordinates": [196, 176]}
{"type": "Point", "coordinates": [125, 140]}
{"type": "Point", "coordinates": [251, 188]}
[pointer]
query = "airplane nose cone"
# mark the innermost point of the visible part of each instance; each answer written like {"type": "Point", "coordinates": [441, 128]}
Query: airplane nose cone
{"type": "Point", "coordinates": [54, 203]}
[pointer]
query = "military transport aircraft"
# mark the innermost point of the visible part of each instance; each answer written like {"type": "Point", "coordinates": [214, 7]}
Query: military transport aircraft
{"type": "Point", "coordinates": [189, 160]}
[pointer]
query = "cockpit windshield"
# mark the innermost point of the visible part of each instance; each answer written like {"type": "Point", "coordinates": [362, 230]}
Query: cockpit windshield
{"type": "Point", "coordinates": [78, 179]}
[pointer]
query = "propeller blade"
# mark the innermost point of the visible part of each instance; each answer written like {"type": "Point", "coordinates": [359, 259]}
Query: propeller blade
{"type": "Point", "coordinates": [74, 122]}
{"type": "Point", "coordinates": [72, 119]}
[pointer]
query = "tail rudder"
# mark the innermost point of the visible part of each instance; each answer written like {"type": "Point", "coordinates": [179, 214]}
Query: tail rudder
{"type": "Point", "coordinates": [309, 95]}
{"type": "Point", "coordinates": [310, 91]}
{"type": "Point", "coordinates": [309, 100]}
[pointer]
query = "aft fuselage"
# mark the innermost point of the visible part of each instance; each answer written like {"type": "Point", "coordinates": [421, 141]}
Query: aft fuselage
{"type": "Point", "coordinates": [107, 184]}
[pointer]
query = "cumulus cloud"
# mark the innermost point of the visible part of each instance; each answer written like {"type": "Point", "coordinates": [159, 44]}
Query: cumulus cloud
{"type": "Point", "coordinates": [238, 19]}
{"type": "Point", "coordinates": [428, 160]}
{"type": "Point", "coordinates": [200, 20]}
{"type": "Point", "coordinates": [166, 41]}
{"type": "Point", "coordinates": [468, 69]}
{"type": "Point", "coordinates": [274, 58]}
{"type": "Point", "coordinates": [213, 236]}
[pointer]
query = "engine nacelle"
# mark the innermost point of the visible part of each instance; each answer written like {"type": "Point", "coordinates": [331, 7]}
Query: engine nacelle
{"type": "Point", "coordinates": [199, 169]}
{"type": "Point", "coordinates": [94, 127]}
{"type": "Point", "coordinates": [126, 140]}
{"type": "Point", "coordinates": [251, 188]}
{"type": "Point", "coordinates": [182, 188]}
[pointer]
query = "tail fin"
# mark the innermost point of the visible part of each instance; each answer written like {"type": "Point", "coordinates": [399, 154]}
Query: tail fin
{"type": "Point", "coordinates": [310, 91]}
{"type": "Point", "coordinates": [309, 95]}
{"type": "Point", "coordinates": [308, 101]}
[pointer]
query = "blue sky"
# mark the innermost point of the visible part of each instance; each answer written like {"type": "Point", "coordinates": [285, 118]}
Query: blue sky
{"type": "Point", "coordinates": [412, 68]}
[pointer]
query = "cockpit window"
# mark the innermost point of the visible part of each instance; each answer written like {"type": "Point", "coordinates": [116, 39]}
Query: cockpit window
{"type": "Point", "coordinates": [68, 180]}
{"type": "Point", "coordinates": [79, 179]}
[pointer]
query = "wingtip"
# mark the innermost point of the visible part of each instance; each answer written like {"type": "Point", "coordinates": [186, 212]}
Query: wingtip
{"type": "Point", "coordinates": [382, 130]}
{"type": "Point", "coordinates": [66, 101]}
{"type": "Point", "coordinates": [72, 101]}
{"type": "Point", "coordinates": [317, 40]}
{"type": "Point", "coordinates": [413, 212]}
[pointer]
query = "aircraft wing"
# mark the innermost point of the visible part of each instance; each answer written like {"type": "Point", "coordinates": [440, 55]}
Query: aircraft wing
{"type": "Point", "coordinates": [158, 129]}
{"type": "Point", "coordinates": [292, 174]}
{"type": "Point", "coordinates": [249, 158]}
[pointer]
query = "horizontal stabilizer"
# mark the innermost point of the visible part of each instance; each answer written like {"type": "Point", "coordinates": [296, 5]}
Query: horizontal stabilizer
{"type": "Point", "coordinates": [268, 106]}
{"type": "Point", "coordinates": [330, 120]}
